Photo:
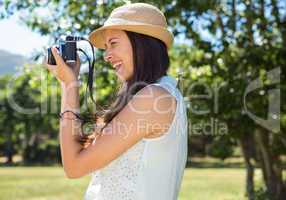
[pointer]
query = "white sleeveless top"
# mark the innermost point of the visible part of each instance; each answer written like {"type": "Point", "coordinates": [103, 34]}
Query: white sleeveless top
{"type": "Point", "coordinates": [151, 169]}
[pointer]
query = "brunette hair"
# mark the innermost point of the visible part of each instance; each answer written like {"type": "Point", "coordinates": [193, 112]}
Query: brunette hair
{"type": "Point", "coordinates": [151, 62]}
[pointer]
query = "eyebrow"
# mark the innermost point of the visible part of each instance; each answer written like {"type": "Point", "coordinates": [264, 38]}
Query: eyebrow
{"type": "Point", "coordinates": [110, 40]}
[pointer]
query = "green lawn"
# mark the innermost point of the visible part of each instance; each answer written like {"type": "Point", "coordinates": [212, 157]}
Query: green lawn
{"type": "Point", "coordinates": [49, 183]}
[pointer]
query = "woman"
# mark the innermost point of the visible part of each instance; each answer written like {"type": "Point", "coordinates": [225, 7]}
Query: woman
{"type": "Point", "coordinates": [141, 151]}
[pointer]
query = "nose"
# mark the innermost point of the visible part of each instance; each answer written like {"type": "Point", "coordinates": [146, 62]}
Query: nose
{"type": "Point", "coordinates": [107, 56]}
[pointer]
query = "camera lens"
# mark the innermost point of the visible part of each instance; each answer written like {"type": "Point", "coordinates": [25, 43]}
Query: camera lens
{"type": "Point", "coordinates": [70, 52]}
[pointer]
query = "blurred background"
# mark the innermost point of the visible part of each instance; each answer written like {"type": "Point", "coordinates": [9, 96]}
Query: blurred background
{"type": "Point", "coordinates": [229, 57]}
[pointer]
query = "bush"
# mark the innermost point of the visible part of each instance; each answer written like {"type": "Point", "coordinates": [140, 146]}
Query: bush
{"type": "Point", "coordinates": [261, 194]}
{"type": "Point", "coordinates": [220, 148]}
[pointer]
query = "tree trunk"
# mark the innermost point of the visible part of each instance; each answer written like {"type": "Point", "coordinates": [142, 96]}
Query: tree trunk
{"type": "Point", "coordinates": [272, 172]}
{"type": "Point", "coordinates": [9, 149]}
{"type": "Point", "coordinates": [247, 147]}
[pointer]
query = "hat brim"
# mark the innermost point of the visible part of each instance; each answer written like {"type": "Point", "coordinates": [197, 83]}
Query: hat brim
{"type": "Point", "coordinates": [97, 39]}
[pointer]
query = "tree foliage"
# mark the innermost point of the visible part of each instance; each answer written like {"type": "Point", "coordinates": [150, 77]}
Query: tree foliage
{"type": "Point", "coordinates": [221, 48]}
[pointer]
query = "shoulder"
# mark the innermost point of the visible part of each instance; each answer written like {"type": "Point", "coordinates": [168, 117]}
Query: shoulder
{"type": "Point", "coordinates": [153, 93]}
{"type": "Point", "coordinates": [152, 99]}
{"type": "Point", "coordinates": [158, 104]}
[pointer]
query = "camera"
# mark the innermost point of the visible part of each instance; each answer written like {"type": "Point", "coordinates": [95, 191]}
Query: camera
{"type": "Point", "coordinates": [67, 49]}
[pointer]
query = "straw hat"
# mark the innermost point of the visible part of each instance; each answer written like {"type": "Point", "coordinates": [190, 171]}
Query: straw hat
{"type": "Point", "coordinates": [136, 17]}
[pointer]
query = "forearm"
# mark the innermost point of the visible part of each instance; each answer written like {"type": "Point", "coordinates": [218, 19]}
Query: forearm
{"type": "Point", "coordinates": [70, 148]}
{"type": "Point", "coordinates": [70, 97]}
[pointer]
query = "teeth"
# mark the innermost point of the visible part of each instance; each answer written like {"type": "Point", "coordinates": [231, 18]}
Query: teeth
{"type": "Point", "coordinates": [117, 64]}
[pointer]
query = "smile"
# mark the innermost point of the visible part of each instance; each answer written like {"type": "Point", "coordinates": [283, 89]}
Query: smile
{"type": "Point", "coordinates": [117, 66]}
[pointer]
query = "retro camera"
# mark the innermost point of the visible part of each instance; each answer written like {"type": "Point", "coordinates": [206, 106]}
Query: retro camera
{"type": "Point", "coordinates": [67, 49]}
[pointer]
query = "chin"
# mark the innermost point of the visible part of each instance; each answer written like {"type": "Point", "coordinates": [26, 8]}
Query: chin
{"type": "Point", "coordinates": [123, 77]}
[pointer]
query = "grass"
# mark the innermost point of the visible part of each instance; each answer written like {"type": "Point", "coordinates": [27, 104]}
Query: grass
{"type": "Point", "coordinates": [50, 183]}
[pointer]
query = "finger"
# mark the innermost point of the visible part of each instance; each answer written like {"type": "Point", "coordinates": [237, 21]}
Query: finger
{"type": "Point", "coordinates": [86, 142]}
{"type": "Point", "coordinates": [77, 66]}
{"type": "Point", "coordinates": [77, 59]}
{"type": "Point", "coordinates": [91, 136]}
{"type": "Point", "coordinates": [82, 138]}
{"type": "Point", "coordinates": [85, 138]}
{"type": "Point", "coordinates": [51, 68]}
{"type": "Point", "coordinates": [86, 145]}
{"type": "Point", "coordinates": [59, 60]}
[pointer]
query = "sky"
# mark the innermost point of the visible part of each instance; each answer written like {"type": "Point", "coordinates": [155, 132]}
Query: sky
{"type": "Point", "coordinates": [17, 38]}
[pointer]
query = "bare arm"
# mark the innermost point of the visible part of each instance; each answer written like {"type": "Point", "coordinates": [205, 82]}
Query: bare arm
{"type": "Point", "coordinates": [136, 120]}
{"type": "Point", "coordinates": [69, 129]}
{"type": "Point", "coordinates": [149, 111]}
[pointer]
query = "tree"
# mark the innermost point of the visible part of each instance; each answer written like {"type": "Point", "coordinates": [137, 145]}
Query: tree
{"type": "Point", "coordinates": [226, 45]}
{"type": "Point", "coordinates": [241, 41]}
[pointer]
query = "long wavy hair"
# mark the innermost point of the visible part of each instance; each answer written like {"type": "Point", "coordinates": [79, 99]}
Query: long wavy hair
{"type": "Point", "coordinates": [151, 62]}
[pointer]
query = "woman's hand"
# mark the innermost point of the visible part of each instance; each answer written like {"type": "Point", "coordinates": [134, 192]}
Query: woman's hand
{"type": "Point", "coordinates": [64, 73]}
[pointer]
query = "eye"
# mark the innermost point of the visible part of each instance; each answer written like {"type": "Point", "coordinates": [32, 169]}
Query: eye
{"type": "Point", "coordinates": [112, 43]}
